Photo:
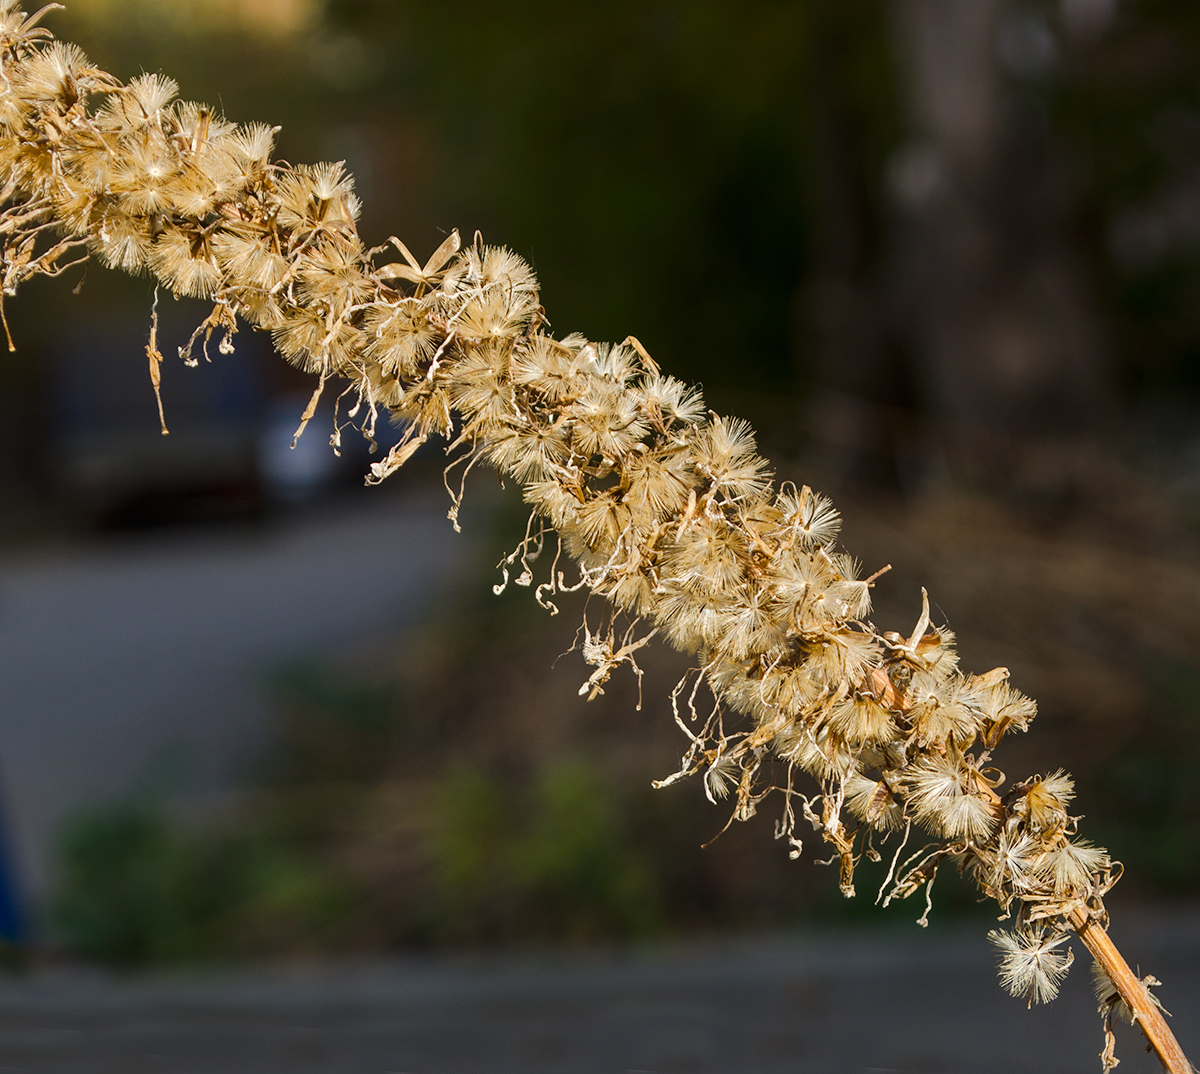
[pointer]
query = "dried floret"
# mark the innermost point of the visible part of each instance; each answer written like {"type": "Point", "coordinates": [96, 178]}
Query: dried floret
{"type": "Point", "coordinates": [402, 336]}
{"type": "Point", "coordinates": [672, 402]}
{"type": "Point", "coordinates": [124, 242]}
{"type": "Point", "coordinates": [872, 800]}
{"type": "Point", "coordinates": [152, 93]}
{"type": "Point", "coordinates": [711, 556]}
{"type": "Point", "coordinates": [185, 262]}
{"type": "Point", "coordinates": [862, 721]}
{"type": "Point", "coordinates": [54, 73]}
{"type": "Point", "coordinates": [244, 255]}
{"type": "Point", "coordinates": [605, 421]}
{"type": "Point", "coordinates": [547, 367]}
{"type": "Point", "coordinates": [560, 505]}
{"type": "Point", "coordinates": [1007, 868]}
{"type": "Point", "coordinates": [482, 389]}
{"type": "Point", "coordinates": [330, 180]}
{"type": "Point", "coordinates": [725, 455]}
{"type": "Point", "coordinates": [947, 796]}
{"type": "Point", "coordinates": [690, 621]}
{"type": "Point", "coordinates": [937, 712]}
{"type": "Point", "coordinates": [1002, 708]}
{"type": "Point", "coordinates": [812, 518]}
{"type": "Point", "coordinates": [251, 145]}
{"type": "Point", "coordinates": [531, 451]}
{"type": "Point", "coordinates": [1043, 800]}
{"type": "Point", "coordinates": [1031, 964]}
{"type": "Point", "coordinates": [749, 626]}
{"type": "Point", "coordinates": [1070, 867]}
{"type": "Point", "coordinates": [791, 689]}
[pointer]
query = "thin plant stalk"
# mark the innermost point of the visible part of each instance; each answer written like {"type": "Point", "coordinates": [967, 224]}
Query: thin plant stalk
{"type": "Point", "coordinates": [1118, 984]}
{"type": "Point", "coordinates": [1144, 1009]}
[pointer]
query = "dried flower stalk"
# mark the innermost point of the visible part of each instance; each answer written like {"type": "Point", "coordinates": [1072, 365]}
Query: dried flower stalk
{"type": "Point", "coordinates": [667, 508]}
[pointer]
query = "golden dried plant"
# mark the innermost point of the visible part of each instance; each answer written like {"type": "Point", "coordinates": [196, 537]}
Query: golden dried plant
{"type": "Point", "coordinates": [666, 508]}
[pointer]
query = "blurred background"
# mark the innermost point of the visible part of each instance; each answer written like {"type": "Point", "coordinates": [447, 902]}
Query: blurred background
{"type": "Point", "coordinates": [946, 257]}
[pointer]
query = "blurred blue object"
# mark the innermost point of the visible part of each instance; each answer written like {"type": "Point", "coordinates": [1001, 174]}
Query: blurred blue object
{"type": "Point", "coordinates": [12, 921]}
{"type": "Point", "coordinates": [294, 468]}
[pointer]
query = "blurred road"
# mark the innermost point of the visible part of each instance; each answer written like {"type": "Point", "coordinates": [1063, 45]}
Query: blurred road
{"type": "Point", "coordinates": [116, 657]}
{"type": "Point", "coordinates": [871, 1001]}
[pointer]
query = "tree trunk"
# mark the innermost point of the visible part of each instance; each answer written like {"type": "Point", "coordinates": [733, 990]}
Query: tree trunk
{"type": "Point", "coordinates": [987, 293]}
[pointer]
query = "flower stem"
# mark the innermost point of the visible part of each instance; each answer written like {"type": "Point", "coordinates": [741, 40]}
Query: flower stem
{"type": "Point", "coordinates": [1146, 1013]}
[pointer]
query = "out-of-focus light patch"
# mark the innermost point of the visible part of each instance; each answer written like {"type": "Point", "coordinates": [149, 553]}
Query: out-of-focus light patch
{"type": "Point", "coordinates": [293, 468]}
{"type": "Point", "coordinates": [915, 175]}
{"type": "Point", "coordinates": [1087, 19]}
{"type": "Point", "coordinates": [1164, 226]}
{"type": "Point", "coordinates": [1026, 45]}
{"type": "Point", "coordinates": [269, 18]}
{"type": "Point", "coordinates": [343, 61]}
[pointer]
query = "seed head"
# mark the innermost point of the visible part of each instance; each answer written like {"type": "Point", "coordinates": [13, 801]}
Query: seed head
{"type": "Point", "coordinates": [1030, 963]}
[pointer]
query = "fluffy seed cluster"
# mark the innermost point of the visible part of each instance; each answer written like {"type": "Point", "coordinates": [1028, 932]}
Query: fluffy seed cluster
{"type": "Point", "coordinates": [666, 508]}
{"type": "Point", "coordinates": [1030, 963]}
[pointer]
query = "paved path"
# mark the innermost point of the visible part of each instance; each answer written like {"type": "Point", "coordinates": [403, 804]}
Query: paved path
{"type": "Point", "coordinates": [111, 655]}
{"type": "Point", "coordinates": [911, 1002]}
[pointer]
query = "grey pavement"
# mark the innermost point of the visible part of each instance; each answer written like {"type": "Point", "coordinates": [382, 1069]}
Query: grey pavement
{"type": "Point", "coordinates": [869, 1001]}
{"type": "Point", "coordinates": [113, 655]}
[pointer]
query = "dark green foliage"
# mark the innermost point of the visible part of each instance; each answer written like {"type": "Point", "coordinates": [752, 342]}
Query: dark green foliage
{"type": "Point", "coordinates": [678, 147]}
{"type": "Point", "coordinates": [336, 729]}
{"type": "Point", "coordinates": [1125, 119]}
{"type": "Point", "coordinates": [1145, 794]}
{"type": "Point", "coordinates": [136, 887]}
{"type": "Point", "coordinates": [558, 861]}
